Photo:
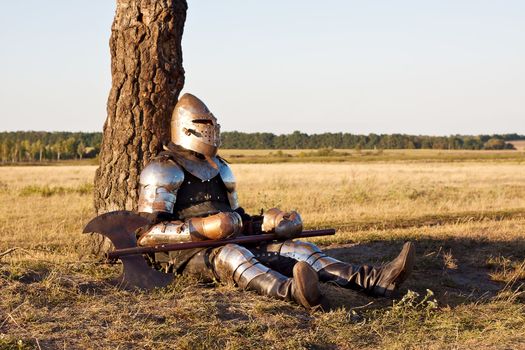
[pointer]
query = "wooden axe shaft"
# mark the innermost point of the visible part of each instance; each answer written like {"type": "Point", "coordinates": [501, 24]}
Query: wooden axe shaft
{"type": "Point", "coordinates": [205, 244]}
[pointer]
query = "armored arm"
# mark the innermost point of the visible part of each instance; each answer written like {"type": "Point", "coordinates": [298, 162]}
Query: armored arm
{"type": "Point", "coordinates": [251, 223]}
{"type": "Point", "coordinates": [229, 181]}
{"type": "Point", "coordinates": [217, 226]}
{"type": "Point", "coordinates": [158, 185]}
{"type": "Point", "coordinates": [159, 182]}
{"type": "Point", "coordinates": [284, 224]}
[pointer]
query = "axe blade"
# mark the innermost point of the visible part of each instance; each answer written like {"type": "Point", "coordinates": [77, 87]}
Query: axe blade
{"type": "Point", "coordinates": [138, 274]}
{"type": "Point", "coordinates": [119, 227]}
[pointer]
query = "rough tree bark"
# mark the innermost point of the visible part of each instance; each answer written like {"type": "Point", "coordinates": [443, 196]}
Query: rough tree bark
{"type": "Point", "coordinates": [147, 77]}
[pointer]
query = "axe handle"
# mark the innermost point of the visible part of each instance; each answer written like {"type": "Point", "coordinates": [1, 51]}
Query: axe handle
{"type": "Point", "coordinates": [217, 243]}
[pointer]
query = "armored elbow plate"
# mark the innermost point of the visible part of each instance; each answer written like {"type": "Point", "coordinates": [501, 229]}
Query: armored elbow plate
{"type": "Point", "coordinates": [229, 181]}
{"type": "Point", "coordinates": [159, 183]}
{"type": "Point", "coordinates": [166, 233]}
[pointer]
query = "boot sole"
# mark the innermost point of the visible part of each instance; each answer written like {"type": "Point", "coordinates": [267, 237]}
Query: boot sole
{"type": "Point", "coordinates": [306, 285]}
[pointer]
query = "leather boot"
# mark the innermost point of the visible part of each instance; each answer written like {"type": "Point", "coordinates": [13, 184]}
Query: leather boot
{"type": "Point", "coordinates": [395, 272]}
{"type": "Point", "coordinates": [380, 281]}
{"type": "Point", "coordinates": [237, 264]}
{"type": "Point", "coordinates": [303, 288]}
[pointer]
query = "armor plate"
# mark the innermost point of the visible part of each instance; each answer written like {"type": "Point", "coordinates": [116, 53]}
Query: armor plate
{"type": "Point", "coordinates": [308, 252]}
{"type": "Point", "coordinates": [238, 264]}
{"type": "Point", "coordinates": [159, 182]}
{"type": "Point", "coordinates": [201, 198]}
{"type": "Point", "coordinates": [218, 226]}
{"type": "Point", "coordinates": [164, 233]}
{"type": "Point", "coordinates": [229, 181]}
{"type": "Point", "coordinates": [197, 167]}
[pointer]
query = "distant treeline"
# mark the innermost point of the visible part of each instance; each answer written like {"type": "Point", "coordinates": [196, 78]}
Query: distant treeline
{"type": "Point", "coordinates": [299, 140]}
{"type": "Point", "coordinates": [31, 146]}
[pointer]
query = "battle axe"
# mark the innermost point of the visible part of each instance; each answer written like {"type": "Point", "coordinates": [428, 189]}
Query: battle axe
{"type": "Point", "coordinates": [120, 227]}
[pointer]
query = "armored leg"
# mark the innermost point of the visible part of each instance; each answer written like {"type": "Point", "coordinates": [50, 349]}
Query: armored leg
{"type": "Point", "coordinates": [379, 281]}
{"type": "Point", "coordinates": [233, 263]}
{"type": "Point", "coordinates": [200, 266]}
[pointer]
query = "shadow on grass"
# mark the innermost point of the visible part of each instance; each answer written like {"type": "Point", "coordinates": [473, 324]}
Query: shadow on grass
{"type": "Point", "coordinates": [457, 270]}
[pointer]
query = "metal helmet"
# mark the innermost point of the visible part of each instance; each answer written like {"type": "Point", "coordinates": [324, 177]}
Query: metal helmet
{"type": "Point", "coordinates": [194, 127]}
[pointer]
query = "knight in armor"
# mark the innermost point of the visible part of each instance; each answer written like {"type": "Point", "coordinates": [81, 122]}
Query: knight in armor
{"type": "Point", "coordinates": [188, 192]}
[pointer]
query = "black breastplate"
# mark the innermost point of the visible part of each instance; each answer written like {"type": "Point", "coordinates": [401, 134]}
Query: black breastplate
{"type": "Point", "coordinates": [200, 198]}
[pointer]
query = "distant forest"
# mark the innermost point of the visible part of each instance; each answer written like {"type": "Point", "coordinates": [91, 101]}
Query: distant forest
{"type": "Point", "coordinates": [299, 140]}
{"type": "Point", "coordinates": [31, 146]}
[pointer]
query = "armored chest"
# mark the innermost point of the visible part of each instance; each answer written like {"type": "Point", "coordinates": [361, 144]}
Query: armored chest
{"type": "Point", "coordinates": [198, 197]}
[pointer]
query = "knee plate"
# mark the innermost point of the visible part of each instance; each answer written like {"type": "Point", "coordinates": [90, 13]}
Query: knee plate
{"type": "Point", "coordinates": [308, 252]}
{"type": "Point", "coordinates": [237, 264]}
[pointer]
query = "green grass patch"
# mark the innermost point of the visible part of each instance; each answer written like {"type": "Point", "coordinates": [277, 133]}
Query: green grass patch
{"type": "Point", "coordinates": [48, 191]}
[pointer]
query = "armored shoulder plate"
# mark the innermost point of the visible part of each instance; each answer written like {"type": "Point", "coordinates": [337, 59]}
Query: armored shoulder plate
{"type": "Point", "coordinates": [159, 183]}
{"type": "Point", "coordinates": [229, 181]}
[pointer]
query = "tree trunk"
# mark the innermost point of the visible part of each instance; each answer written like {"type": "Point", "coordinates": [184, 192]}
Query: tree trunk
{"type": "Point", "coordinates": [147, 77]}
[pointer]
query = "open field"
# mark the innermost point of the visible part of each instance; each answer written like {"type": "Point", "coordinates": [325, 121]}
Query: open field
{"type": "Point", "coordinates": [366, 156]}
{"type": "Point", "coordinates": [266, 156]}
{"type": "Point", "coordinates": [466, 217]}
{"type": "Point", "coordinates": [520, 145]}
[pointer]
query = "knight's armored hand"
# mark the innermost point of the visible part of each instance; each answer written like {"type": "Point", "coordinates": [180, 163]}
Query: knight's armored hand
{"type": "Point", "coordinates": [217, 226]}
{"type": "Point", "coordinates": [284, 224]}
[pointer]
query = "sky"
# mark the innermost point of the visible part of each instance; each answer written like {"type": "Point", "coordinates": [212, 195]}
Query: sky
{"type": "Point", "coordinates": [415, 67]}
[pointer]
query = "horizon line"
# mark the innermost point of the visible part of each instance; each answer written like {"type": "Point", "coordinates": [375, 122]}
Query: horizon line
{"type": "Point", "coordinates": [290, 133]}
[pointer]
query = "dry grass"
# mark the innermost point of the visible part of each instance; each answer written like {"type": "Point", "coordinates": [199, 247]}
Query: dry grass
{"type": "Point", "coordinates": [339, 194]}
{"type": "Point", "coordinates": [467, 218]}
{"type": "Point", "coordinates": [520, 145]}
{"type": "Point", "coordinates": [367, 156]}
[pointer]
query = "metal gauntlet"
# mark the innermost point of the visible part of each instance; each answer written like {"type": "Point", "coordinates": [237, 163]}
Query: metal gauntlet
{"type": "Point", "coordinates": [284, 224]}
{"type": "Point", "coordinates": [217, 226]}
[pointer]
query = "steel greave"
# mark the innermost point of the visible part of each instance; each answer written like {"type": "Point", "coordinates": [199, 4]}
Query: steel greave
{"type": "Point", "coordinates": [307, 252]}
{"type": "Point", "coordinates": [330, 269]}
{"type": "Point", "coordinates": [238, 265]}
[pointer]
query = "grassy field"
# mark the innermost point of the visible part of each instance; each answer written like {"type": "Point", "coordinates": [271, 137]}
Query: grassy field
{"type": "Point", "coordinates": [465, 213]}
{"type": "Point", "coordinates": [368, 156]}
{"type": "Point", "coordinates": [520, 145]}
{"type": "Point", "coordinates": [264, 156]}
